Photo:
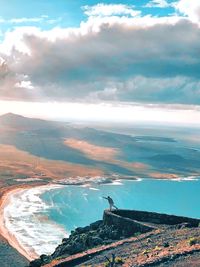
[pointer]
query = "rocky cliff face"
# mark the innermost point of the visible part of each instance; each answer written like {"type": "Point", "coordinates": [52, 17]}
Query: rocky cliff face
{"type": "Point", "coordinates": [99, 233]}
{"type": "Point", "coordinates": [83, 238]}
{"type": "Point", "coordinates": [115, 226]}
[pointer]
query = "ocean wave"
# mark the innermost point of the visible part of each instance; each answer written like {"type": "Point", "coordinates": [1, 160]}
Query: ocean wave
{"type": "Point", "coordinates": [182, 179]}
{"type": "Point", "coordinates": [139, 180]}
{"type": "Point", "coordinates": [117, 182]}
{"type": "Point", "coordinates": [26, 217]}
{"type": "Point", "coordinates": [93, 188]}
{"type": "Point", "coordinates": [191, 178]}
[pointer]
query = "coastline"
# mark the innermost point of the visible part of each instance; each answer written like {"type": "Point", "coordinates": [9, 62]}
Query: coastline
{"type": "Point", "coordinates": [6, 194]}
{"type": "Point", "coordinates": [4, 232]}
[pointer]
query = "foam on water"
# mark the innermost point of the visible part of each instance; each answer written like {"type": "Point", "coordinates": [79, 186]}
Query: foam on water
{"type": "Point", "coordinates": [182, 179]}
{"type": "Point", "coordinates": [115, 182]}
{"type": "Point", "coordinates": [41, 217]}
{"type": "Point", "coordinates": [93, 188]}
{"type": "Point", "coordinates": [190, 178]}
{"type": "Point", "coordinates": [26, 217]}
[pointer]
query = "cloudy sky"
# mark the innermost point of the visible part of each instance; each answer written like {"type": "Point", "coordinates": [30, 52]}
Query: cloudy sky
{"type": "Point", "coordinates": [109, 60]}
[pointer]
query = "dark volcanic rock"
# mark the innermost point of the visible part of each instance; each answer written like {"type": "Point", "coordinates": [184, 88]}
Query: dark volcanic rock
{"type": "Point", "coordinates": [44, 259]}
{"type": "Point", "coordinates": [116, 225]}
{"type": "Point", "coordinates": [36, 263]}
{"type": "Point", "coordinates": [83, 238]}
{"type": "Point", "coordinates": [95, 225]}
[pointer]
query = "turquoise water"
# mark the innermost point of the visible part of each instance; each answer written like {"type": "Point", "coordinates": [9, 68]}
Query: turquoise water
{"type": "Point", "coordinates": [73, 206]}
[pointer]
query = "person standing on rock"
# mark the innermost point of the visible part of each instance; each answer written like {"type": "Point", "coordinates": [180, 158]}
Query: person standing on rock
{"type": "Point", "coordinates": [111, 202]}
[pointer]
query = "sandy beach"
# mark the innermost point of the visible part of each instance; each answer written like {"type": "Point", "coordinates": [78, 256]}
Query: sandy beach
{"type": "Point", "coordinates": [4, 232]}
{"type": "Point", "coordinates": [5, 196]}
{"type": "Point", "coordinates": [5, 199]}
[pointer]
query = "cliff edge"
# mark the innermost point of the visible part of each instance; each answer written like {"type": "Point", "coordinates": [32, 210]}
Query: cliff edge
{"type": "Point", "coordinates": [123, 236]}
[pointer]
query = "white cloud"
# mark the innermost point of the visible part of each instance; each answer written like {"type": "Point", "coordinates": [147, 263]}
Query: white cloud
{"type": "Point", "coordinates": [190, 8]}
{"type": "Point", "coordinates": [115, 112]}
{"type": "Point", "coordinates": [15, 40]}
{"type": "Point", "coordinates": [83, 63]}
{"type": "Point", "coordinates": [24, 20]}
{"type": "Point", "coordinates": [109, 57]}
{"type": "Point", "coordinates": [2, 20]}
{"type": "Point", "coordinates": [2, 61]}
{"type": "Point", "coordinates": [30, 20]}
{"type": "Point", "coordinates": [150, 89]}
{"type": "Point", "coordinates": [25, 84]}
{"type": "Point", "coordinates": [106, 10]}
{"type": "Point", "coordinates": [158, 3]}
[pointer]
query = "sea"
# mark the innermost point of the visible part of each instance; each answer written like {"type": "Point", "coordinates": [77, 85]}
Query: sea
{"type": "Point", "coordinates": [41, 217]}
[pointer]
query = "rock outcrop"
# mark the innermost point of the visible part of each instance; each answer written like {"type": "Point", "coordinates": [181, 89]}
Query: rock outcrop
{"type": "Point", "coordinates": [116, 225]}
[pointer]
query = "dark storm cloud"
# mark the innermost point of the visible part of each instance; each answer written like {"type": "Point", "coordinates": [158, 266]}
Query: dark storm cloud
{"type": "Point", "coordinates": [105, 64]}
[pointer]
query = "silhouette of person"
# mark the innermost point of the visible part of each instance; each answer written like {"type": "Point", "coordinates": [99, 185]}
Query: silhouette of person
{"type": "Point", "coordinates": [111, 202]}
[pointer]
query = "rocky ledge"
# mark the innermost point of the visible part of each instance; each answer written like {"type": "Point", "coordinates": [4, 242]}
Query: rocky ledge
{"type": "Point", "coordinates": [84, 238]}
{"type": "Point", "coordinates": [116, 225]}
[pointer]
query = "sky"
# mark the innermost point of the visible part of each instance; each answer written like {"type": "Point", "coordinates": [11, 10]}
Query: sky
{"type": "Point", "coordinates": [121, 61]}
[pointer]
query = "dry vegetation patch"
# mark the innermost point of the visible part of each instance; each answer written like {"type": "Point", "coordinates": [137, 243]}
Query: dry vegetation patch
{"type": "Point", "coordinates": [17, 163]}
{"type": "Point", "coordinates": [92, 151]}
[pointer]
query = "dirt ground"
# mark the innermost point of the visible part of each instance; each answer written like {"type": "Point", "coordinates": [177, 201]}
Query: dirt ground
{"type": "Point", "coordinates": [163, 248]}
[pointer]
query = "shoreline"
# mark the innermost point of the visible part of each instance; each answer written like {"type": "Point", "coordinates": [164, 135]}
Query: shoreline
{"type": "Point", "coordinates": [6, 194]}
{"type": "Point", "coordinates": [4, 201]}
{"type": "Point", "coordinates": [4, 231]}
